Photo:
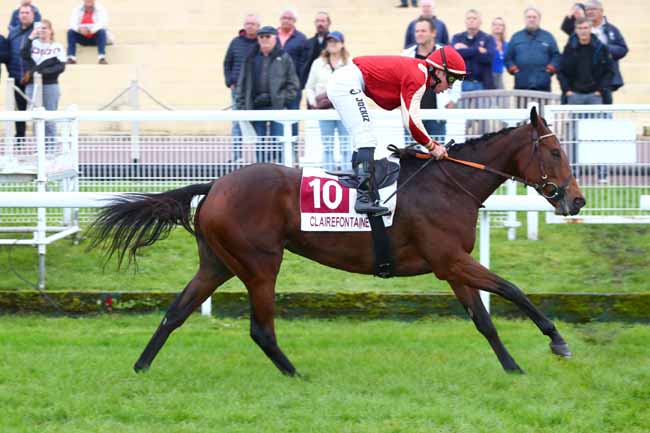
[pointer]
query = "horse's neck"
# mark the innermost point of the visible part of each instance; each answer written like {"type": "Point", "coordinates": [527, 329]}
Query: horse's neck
{"type": "Point", "coordinates": [497, 153]}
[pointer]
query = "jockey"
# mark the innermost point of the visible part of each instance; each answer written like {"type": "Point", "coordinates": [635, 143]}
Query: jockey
{"type": "Point", "coordinates": [391, 82]}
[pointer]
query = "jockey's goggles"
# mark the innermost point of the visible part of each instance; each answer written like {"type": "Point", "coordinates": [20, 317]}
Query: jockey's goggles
{"type": "Point", "coordinates": [451, 78]}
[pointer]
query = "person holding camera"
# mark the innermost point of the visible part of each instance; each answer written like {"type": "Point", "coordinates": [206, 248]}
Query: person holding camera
{"type": "Point", "coordinates": [267, 81]}
{"type": "Point", "coordinates": [47, 57]}
{"type": "Point", "coordinates": [332, 58]}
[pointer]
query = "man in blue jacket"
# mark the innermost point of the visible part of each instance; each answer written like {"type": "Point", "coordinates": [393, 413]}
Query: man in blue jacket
{"type": "Point", "coordinates": [294, 43]}
{"type": "Point", "coordinates": [239, 48]}
{"type": "Point", "coordinates": [609, 35]}
{"type": "Point", "coordinates": [17, 65]}
{"type": "Point", "coordinates": [426, 9]}
{"type": "Point", "coordinates": [477, 49]}
{"type": "Point", "coordinates": [532, 56]}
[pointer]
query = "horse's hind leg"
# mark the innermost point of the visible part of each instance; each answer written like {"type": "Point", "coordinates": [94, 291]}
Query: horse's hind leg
{"type": "Point", "coordinates": [471, 300]}
{"type": "Point", "coordinates": [468, 271]}
{"type": "Point", "coordinates": [211, 274]}
{"type": "Point", "coordinates": [262, 298]}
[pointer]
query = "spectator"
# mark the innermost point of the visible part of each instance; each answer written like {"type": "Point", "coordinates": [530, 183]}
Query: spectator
{"type": "Point", "coordinates": [267, 81]}
{"type": "Point", "coordinates": [427, 11]}
{"type": "Point", "coordinates": [88, 28]}
{"type": "Point", "coordinates": [4, 51]}
{"type": "Point", "coordinates": [46, 57]}
{"type": "Point", "coordinates": [315, 45]}
{"type": "Point", "coordinates": [576, 11]}
{"type": "Point", "coordinates": [477, 48]}
{"type": "Point", "coordinates": [532, 56]}
{"type": "Point", "coordinates": [15, 21]}
{"type": "Point", "coordinates": [239, 48]}
{"type": "Point", "coordinates": [586, 73]}
{"type": "Point", "coordinates": [294, 43]}
{"type": "Point", "coordinates": [405, 4]}
{"type": "Point", "coordinates": [499, 35]}
{"type": "Point", "coordinates": [17, 65]}
{"type": "Point", "coordinates": [611, 36]}
{"type": "Point", "coordinates": [586, 67]}
{"type": "Point", "coordinates": [425, 36]}
{"type": "Point", "coordinates": [332, 58]}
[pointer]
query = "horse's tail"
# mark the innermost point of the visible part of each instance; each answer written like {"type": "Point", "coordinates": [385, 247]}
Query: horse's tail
{"type": "Point", "coordinates": [137, 220]}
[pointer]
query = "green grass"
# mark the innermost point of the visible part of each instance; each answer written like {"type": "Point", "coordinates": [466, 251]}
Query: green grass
{"type": "Point", "coordinates": [69, 376]}
{"type": "Point", "coordinates": [569, 258]}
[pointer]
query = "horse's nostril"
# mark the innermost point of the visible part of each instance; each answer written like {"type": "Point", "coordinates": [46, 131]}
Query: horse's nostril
{"type": "Point", "coordinates": [579, 201]}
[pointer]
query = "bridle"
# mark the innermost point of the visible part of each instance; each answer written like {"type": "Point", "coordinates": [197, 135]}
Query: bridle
{"type": "Point", "coordinates": [558, 191]}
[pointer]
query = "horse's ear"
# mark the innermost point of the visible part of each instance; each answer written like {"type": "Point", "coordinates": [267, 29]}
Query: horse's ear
{"type": "Point", "coordinates": [534, 118]}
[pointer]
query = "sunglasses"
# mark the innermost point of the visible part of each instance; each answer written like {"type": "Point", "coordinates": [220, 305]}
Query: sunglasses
{"type": "Point", "coordinates": [264, 36]}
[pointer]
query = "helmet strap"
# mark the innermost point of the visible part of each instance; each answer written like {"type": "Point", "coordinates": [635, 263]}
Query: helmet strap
{"type": "Point", "coordinates": [436, 80]}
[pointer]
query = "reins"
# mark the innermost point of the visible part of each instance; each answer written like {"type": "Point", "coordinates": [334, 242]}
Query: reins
{"type": "Point", "coordinates": [558, 191]}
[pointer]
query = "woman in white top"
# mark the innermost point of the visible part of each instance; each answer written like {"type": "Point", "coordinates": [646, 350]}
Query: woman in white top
{"type": "Point", "coordinates": [333, 57]}
{"type": "Point", "coordinates": [46, 57]}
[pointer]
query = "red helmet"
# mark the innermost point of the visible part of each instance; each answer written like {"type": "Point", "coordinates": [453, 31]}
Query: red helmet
{"type": "Point", "coordinates": [448, 60]}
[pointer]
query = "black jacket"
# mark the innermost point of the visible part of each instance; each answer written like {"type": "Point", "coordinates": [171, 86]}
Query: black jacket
{"type": "Point", "coordinates": [283, 80]}
{"type": "Point", "coordinates": [615, 44]}
{"type": "Point", "coordinates": [50, 69]}
{"type": "Point", "coordinates": [602, 65]}
{"type": "Point", "coordinates": [4, 50]}
{"type": "Point", "coordinates": [313, 49]}
{"type": "Point", "coordinates": [238, 49]}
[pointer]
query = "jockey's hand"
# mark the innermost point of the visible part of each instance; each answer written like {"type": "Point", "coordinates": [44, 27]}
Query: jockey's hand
{"type": "Point", "coordinates": [439, 151]}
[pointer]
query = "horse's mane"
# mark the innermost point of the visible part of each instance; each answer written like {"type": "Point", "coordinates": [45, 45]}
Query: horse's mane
{"type": "Point", "coordinates": [474, 142]}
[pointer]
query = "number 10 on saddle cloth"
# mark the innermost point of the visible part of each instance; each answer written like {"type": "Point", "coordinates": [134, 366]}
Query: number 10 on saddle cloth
{"type": "Point", "coordinates": [328, 206]}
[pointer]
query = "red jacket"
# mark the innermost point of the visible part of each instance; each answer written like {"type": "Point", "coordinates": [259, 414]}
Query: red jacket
{"type": "Point", "coordinates": [394, 81]}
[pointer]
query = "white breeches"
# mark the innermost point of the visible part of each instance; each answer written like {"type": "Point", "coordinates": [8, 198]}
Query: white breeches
{"type": "Point", "coordinates": [345, 91]}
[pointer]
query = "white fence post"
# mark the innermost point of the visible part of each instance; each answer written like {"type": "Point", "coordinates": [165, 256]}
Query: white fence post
{"type": "Point", "coordinates": [532, 219]}
{"type": "Point", "coordinates": [37, 96]}
{"type": "Point", "coordinates": [41, 184]}
{"type": "Point", "coordinates": [134, 103]}
{"type": "Point", "coordinates": [511, 222]}
{"type": "Point", "coordinates": [10, 105]}
{"type": "Point", "coordinates": [287, 144]}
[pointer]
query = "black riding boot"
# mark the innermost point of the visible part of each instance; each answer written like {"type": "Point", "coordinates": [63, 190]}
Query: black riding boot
{"type": "Point", "coordinates": [363, 163]}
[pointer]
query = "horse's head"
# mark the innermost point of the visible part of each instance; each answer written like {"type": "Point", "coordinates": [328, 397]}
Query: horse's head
{"type": "Point", "coordinates": [544, 164]}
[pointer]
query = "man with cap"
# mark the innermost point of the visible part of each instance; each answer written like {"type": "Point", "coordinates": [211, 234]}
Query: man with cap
{"type": "Point", "coordinates": [267, 81]}
{"type": "Point", "coordinates": [391, 82]}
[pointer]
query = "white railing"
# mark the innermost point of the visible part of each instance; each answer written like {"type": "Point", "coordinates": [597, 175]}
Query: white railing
{"type": "Point", "coordinates": [130, 162]}
{"type": "Point", "coordinates": [609, 150]}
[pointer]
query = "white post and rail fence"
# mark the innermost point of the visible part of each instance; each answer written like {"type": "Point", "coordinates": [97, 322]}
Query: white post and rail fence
{"type": "Point", "coordinates": [390, 121]}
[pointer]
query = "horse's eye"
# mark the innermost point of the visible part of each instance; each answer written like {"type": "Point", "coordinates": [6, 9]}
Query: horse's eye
{"type": "Point", "coordinates": [556, 153]}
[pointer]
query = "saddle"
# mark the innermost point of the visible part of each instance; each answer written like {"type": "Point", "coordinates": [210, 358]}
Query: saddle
{"type": "Point", "coordinates": [386, 173]}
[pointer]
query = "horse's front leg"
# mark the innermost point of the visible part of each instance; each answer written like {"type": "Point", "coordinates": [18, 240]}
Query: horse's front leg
{"type": "Point", "coordinates": [471, 300]}
{"type": "Point", "coordinates": [467, 271]}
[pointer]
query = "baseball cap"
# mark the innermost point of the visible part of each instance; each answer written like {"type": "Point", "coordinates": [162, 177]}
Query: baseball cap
{"type": "Point", "coordinates": [267, 30]}
{"type": "Point", "coordinates": [336, 36]}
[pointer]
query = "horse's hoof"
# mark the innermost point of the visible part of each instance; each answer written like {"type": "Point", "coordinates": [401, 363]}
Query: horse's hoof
{"type": "Point", "coordinates": [561, 349]}
{"type": "Point", "coordinates": [140, 368]}
{"type": "Point", "coordinates": [516, 370]}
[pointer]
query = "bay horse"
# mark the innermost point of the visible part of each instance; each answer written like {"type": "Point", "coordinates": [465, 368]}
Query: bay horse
{"type": "Point", "coordinates": [249, 217]}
